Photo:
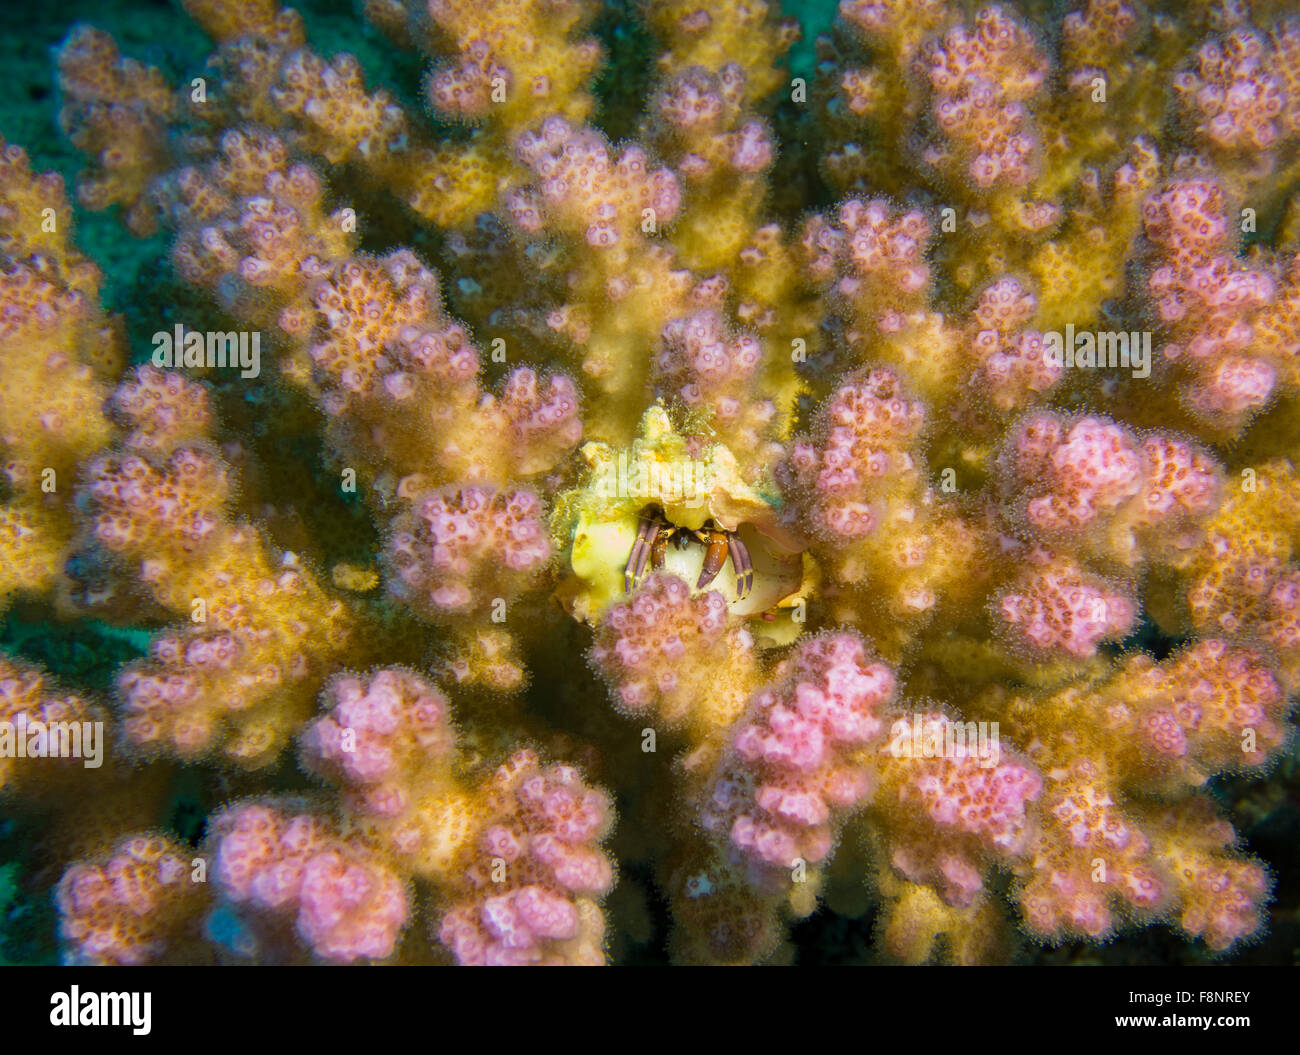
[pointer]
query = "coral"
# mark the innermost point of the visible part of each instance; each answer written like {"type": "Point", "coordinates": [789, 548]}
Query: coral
{"type": "Point", "coordinates": [1058, 608]}
{"type": "Point", "coordinates": [1098, 488]}
{"type": "Point", "coordinates": [1207, 302]}
{"type": "Point", "coordinates": [116, 111]}
{"type": "Point", "coordinates": [541, 829]}
{"type": "Point", "coordinates": [969, 811]}
{"type": "Point", "coordinates": [280, 870]}
{"type": "Point", "coordinates": [514, 854]}
{"type": "Point", "coordinates": [789, 767]}
{"type": "Point", "coordinates": [28, 709]}
{"type": "Point", "coordinates": [871, 467]}
{"type": "Point", "coordinates": [455, 538]}
{"type": "Point", "coordinates": [238, 676]}
{"type": "Point", "coordinates": [137, 906]}
{"type": "Point", "coordinates": [389, 743]}
{"type": "Point", "coordinates": [60, 349]}
{"type": "Point", "coordinates": [668, 650]}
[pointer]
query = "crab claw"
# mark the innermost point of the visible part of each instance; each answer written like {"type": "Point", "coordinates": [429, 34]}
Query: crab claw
{"type": "Point", "coordinates": [640, 555]}
{"type": "Point", "coordinates": [742, 565]}
{"type": "Point", "coordinates": [714, 559]}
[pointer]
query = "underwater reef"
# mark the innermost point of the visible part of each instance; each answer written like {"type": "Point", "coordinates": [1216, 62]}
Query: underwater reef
{"type": "Point", "coordinates": [552, 482]}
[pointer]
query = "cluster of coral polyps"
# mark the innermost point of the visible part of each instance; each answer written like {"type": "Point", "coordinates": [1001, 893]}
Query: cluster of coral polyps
{"type": "Point", "coordinates": [649, 477]}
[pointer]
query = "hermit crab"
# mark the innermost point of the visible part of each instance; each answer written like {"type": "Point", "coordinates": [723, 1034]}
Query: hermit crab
{"type": "Point", "coordinates": [656, 532]}
{"type": "Point", "coordinates": [681, 507]}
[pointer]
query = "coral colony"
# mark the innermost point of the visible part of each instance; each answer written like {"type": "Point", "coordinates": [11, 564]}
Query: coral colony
{"type": "Point", "coordinates": [532, 525]}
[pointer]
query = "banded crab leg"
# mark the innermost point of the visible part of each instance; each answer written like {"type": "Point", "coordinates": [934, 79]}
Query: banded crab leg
{"type": "Point", "coordinates": [741, 565]}
{"type": "Point", "coordinates": [646, 541]}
